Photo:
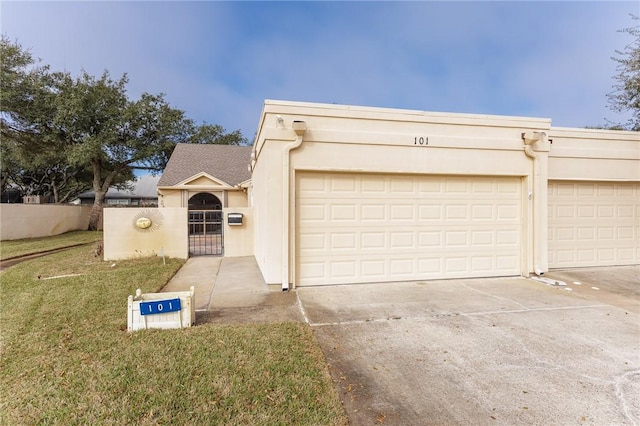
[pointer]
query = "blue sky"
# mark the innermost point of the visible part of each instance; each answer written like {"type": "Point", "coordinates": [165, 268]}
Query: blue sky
{"type": "Point", "coordinates": [218, 61]}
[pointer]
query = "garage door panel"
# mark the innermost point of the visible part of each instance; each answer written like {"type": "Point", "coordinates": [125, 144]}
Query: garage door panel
{"type": "Point", "coordinates": [373, 212]}
{"type": "Point", "coordinates": [312, 242]}
{"type": "Point", "coordinates": [584, 233]}
{"type": "Point", "coordinates": [625, 254]}
{"type": "Point", "coordinates": [373, 240]}
{"type": "Point", "coordinates": [404, 266]}
{"type": "Point", "coordinates": [625, 211]}
{"type": "Point", "coordinates": [343, 241]}
{"type": "Point", "coordinates": [402, 212]}
{"type": "Point", "coordinates": [593, 224]}
{"type": "Point", "coordinates": [429, 266]}
{"type": "Point", "coordinates": [312, 213]}
{"type": "Point", "coordinates": [403, 239]}
{"type": "Point", "coordinates": [482, 212]}
{"type": "Point", "coordinates": [406, 227]}
{"type": "Point", "coordinates": [343, 269]}
{"type": "Point", "coordinates": [507, 262]}
{"type": "Point", "coordinates": [374, 268]}
{"type": "Point", "coordinates": [311, 270]}
{"type": "Point", "coordinates": [624, 232]}
{"type": "Point", "coordinates": [430, 212]}
{"type": "Point", "coordinates": [402, 185]}
{"type": "Point", "coordinates": [343, 184]}
{"type": "Point", "coordinates": [429, 239]}
{"type": "Point", "coordinates": [482, 263]}
{"type": "Point", "coordinates": [507, 212]}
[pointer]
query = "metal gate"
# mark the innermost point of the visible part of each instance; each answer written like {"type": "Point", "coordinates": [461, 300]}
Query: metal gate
{"type": "Point", "coordinates": [205, 233]}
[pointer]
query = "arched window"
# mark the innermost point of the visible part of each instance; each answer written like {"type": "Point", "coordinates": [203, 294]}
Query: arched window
{"type": "Point", "coordinates": [204, 201]}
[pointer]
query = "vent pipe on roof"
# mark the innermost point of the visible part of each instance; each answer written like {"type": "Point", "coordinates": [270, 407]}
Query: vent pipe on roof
{"type": "Point", "coordinates": [299, 127]}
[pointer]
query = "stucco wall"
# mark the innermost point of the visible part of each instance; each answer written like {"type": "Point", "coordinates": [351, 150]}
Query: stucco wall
{"type": "Point", "coordinates": [168, 233]}
{"type": "Point", "coordinates": [41, 220]}
{"type": "Point", "coordinates": [169, 198]}
{"type": "Point", "coordinates": [265, 181]}
{"type": "Point", "coordinates": [376, 140]}
{"type": "Point", "coordinates": [236, 199]}
{"type": "Point", "coordinates": [592, 154]}
{"type": "Point", "coordinates": [180, 197]}
{"type": "Point", "coordinates": [238, 239]}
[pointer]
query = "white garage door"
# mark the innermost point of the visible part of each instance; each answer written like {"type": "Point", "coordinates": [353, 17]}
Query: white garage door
{"type": "Point", "coordinates": [593, 224]}
{"type": "Point", "coordinates": [358, 228]}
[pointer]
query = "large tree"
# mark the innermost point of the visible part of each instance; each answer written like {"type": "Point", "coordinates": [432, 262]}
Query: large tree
{"type": "Point", "coordinates": [61, 132]}
{"type": "Point", "coordinates": [31, 157]}
{"type": "Point", "coordinates": [100, 127]}
{"type": "Point", "coordinates": [626, 94]}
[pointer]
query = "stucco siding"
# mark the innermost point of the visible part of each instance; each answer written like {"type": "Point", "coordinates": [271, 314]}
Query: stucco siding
{"type": "Point", "coordinates": [167, 235]}
{"type": "Point", "coordinates": [267, 209]}
{"type": "Point", "coordinates": [169, 198]}
{"type": "Point", "coordinates": [388, 142]}
{"type": "Point", "coordinates": [19, 221]}
{"type": "Point", "coordinates": [595, 155]}
{"type": "Point", "coordinates": [238, 239]}
{"type": "Point", "coordinates": [180, 197]}
{"type": "Point", "coordinates": [236, 199]}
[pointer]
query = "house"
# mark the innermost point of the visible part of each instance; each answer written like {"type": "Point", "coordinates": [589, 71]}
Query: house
{"type": "Point", "coordinates": [348, 194]}
{"type": "Point", "coordinates": [206, 179]}
{"type": "Point", "coordinates": [143, 194]}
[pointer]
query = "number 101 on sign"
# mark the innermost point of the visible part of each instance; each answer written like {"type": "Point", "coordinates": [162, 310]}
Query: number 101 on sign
{"type": "Point", "coordinates": [420, 140]}
{"type": "Point", "coordinates": [159, 306]}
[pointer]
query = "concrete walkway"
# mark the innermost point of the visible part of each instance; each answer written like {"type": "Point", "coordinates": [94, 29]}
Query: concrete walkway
{"type": "Point", "coordinates": [232, 290]}
{"type": "Point", "coordinates": [200, 272]}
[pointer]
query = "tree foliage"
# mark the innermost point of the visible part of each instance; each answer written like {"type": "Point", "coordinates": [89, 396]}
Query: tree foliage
{"type": "Point", "coordinates": [626, 94]}
{"type": "Point", "coordinates": [214, 133]}
{"type": "Point", "coordinates": [62, 135]}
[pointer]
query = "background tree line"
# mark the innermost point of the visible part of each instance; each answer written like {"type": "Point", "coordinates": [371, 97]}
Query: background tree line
{"type": "Point", "coordinates": [625, 98]}
{"type": "Point", "coordinates": [62, 135]}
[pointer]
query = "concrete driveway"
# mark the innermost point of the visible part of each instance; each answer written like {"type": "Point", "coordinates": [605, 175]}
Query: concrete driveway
{"type": "Point", "coordinates": [486, 351]}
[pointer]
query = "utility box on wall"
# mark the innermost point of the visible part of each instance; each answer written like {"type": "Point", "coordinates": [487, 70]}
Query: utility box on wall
{"type": "Point", "coordinates": [234, 219]}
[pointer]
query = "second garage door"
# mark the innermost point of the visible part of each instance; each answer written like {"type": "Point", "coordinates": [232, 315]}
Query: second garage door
{"type": "Point", "coordinates": [594, 224]}
{"type": "Point", "coordinates": [360, 228]}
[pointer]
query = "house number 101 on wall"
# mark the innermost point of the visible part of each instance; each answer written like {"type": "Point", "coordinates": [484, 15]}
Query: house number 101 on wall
{"type": "Point", "coordinates": [419, 140]}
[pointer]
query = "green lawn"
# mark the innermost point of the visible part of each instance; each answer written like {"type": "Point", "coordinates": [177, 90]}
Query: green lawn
{"type": "Point", "coordinates": [66, 357]}
{"type": "Point", "coordinates": [14, 248]}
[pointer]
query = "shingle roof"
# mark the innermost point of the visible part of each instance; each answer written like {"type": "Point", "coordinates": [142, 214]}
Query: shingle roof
{"type": "Point", "coordinates": [227, 163]}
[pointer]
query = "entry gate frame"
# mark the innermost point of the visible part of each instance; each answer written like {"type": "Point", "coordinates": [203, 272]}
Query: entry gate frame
{"type": "Point", "coordinates": [206, 232]}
